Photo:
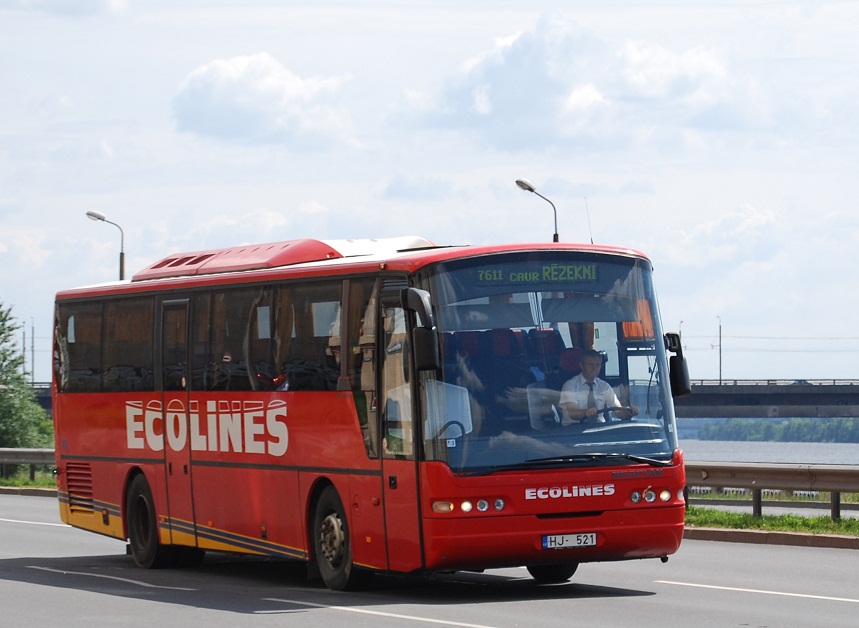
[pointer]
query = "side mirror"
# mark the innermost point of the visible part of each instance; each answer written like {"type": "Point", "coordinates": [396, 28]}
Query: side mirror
{"type": "Point", "coordinates": [424, 335]}
{"type": "Point", "coordinates": [678, 370]}
{"type": "Point", "coordinates": [419, 302]}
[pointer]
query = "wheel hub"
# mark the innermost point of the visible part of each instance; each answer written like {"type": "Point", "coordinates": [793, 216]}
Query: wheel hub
{"type": "Point", "coordinates": [331, 539]}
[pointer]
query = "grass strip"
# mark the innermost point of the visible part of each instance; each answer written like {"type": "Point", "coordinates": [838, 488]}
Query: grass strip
{"type": "Point", "coordinates": [43, 479]}
{"type": "Point", "coordinates": [701, 517]}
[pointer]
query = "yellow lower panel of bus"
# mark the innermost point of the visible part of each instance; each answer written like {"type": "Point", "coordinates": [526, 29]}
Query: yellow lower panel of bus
{"type": "Point", "coordinates": [210, 538]}
{"type": "Point", "coordinates": [95, 516]}
{"type": "Point", "coordinates": [105, 518]}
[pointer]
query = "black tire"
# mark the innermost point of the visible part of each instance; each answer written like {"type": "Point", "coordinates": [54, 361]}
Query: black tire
{"type": "Point", "coordinates": [332, 545]}
{"type": "Point", "coordinates": [552, 574]}
{"type": "Point", "coordinates": [141, 521]}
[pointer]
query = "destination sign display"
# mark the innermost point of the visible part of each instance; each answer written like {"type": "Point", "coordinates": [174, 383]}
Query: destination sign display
{"type": "Point", "coordinates": [538, 273]}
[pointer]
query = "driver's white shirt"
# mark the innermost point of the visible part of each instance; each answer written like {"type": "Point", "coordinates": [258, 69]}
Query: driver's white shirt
{"type": "Point", "coordinates": [575, 391]}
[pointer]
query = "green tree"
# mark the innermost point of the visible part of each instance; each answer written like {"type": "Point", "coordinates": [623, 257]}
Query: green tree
{"type": "Point", "coordinates": [23, 422]}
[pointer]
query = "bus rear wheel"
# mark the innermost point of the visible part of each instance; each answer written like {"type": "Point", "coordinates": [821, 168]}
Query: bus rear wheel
{"type": "Point", "coordinates": [552, 574]}
{"type": "Point", "coordinates": [332, 545]}
{"type": "Point", "coordinates": [143, 528]}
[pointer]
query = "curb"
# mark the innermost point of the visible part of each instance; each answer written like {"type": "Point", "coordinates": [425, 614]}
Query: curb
{"type": "Point", "coordinates": [765, 537]}
{"type": "Point", "coordinates": [30, 492]}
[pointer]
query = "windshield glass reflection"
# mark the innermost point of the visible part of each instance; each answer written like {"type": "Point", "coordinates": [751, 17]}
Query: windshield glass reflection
{"type": "Point", "coordinates": [553, 357]}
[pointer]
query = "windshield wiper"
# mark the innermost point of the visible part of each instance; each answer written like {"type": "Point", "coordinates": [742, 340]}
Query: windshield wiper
{"type": "Point", "coordinates": [539, 462]}
{"type": "Point", "coordinates": [653, 462]}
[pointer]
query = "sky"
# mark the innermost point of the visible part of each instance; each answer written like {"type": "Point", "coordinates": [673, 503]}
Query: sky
{"type": "Point", "coordinates": [720, 138]}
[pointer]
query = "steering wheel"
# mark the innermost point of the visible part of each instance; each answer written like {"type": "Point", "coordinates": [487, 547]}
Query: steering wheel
{"type": "Point", "coordinates": [606, 412]}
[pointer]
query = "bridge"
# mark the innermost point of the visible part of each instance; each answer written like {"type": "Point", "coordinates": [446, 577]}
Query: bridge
{"type": "Point", "coordinates": [42, 392]}
{"type": "Point", "coordinates": [739, 398]}
{"type": "Point", "coordinates": [730, 398]}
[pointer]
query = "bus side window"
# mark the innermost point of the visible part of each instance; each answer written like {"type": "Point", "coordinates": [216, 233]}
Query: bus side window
{"type": "Point", "coordinates": [81, 346]}
{"type": "Point", "coordinates": [127, 352]}
{"type": "Point", "coordinates": [362, 359]}
{"type": "Point", "coordinates": [307, 336]}
{"type": "Point", "coordinates": [221, 322]}
{"type": "Point", "coordinates": [398, 419]}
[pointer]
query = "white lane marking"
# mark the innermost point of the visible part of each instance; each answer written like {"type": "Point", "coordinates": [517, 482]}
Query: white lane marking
{"type": "Point", "coordinates": [761, 591]}
{"type": "Point", "coordinates": [35, 523]}
{"type": "Point", "coordinates": [379, 613]}
{"type": "Point", "coordinates": [100, 575]}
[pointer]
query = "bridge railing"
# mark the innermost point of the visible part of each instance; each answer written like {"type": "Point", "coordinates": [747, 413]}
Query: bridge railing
{"type": "Point", "coordinates": [775, 382]}
{"type": "Point", "coordinates": [758, 477]}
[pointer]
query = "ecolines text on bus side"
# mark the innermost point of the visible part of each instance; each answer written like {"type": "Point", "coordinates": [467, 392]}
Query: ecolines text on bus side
{"type": "Point", "coordinates": [252, 427]}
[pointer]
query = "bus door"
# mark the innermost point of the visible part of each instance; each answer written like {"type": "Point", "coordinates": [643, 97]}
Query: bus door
{"type": "Point", "coordinates": [399, 464]}
{"type": "Point", "coordinates": [176, 411]}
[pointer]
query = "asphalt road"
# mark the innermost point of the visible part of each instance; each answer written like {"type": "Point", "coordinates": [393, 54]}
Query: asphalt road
{"type": "Point", "coordinates": [51, 574]}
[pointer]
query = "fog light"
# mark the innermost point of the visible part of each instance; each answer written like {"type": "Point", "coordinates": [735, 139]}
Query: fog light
{"type": "Point", "coordinates": [483, 505]}
{"type": "Point", "coordinates": [681, 495]}
{"type": "Point", "coordinates": [635, 497]}
{"type": "Point", "coordinates": [649, 496]}
{"type": "Point", "coordinates": [499, 504]}
{"type": "Point", "coordinates": [442, 507]}
{"type": "Point", "coordinates": [466, 506]}
{"type": "Point", "coordinates": [665, 495]}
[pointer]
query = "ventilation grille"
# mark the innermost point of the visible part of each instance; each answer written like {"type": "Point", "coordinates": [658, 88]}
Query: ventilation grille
{"type": "Point", "coordinates": [79, 483]}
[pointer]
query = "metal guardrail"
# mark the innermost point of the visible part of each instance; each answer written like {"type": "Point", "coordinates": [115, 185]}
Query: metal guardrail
{"type": "Point", "coordinates": [753, 476]}
{"type": "Point", "coordinates": [775, 382]}
{"type": "Point", "coordinates": [33, 457]}
{"type": "Point", "coordinates": [757, 477]}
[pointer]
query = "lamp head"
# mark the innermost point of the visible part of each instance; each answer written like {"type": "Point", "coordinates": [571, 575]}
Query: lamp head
{"type": "Point", "coordinates": [94, 215]}
{"type": "Point", "coordinates": [526, 185]}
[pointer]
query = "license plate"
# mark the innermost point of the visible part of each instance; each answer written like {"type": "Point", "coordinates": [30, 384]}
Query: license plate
{"type": "Point", "coordinates": [567, 541]}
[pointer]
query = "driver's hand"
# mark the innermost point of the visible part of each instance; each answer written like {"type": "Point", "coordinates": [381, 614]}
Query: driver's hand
{"type": "Point", "coordinates": [634, 409]}
{"type": "Point", "coordinates": [591, 412]}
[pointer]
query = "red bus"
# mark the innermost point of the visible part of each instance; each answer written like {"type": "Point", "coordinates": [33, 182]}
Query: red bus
{"type": "Point", "coordinates": [376, 405]}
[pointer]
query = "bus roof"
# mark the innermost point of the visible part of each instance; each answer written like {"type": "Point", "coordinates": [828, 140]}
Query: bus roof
{"type": "Point", "coordinates": [273, 255]}
{"type": "Point", "coordinates": [312, 258]}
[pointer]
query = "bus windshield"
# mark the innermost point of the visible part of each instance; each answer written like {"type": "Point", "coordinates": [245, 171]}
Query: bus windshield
{"type": "Point", "coordinates": [514, 331]}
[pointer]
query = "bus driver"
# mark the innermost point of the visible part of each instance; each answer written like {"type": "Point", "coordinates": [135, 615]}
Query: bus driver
{"type": "Point", "coordinates": [585, 395]}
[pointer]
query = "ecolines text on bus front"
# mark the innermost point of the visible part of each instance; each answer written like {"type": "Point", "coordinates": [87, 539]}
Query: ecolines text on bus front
{"type": "Point", "coordinates": [252, 427]}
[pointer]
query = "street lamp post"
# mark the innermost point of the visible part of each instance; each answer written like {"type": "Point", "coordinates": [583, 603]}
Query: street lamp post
{"type": "Point", "coordinates": [529, 187]}
{"type": "Point", "coordinates": [94, 215]}
{"type": "Point", "coordinates": [720, 350]}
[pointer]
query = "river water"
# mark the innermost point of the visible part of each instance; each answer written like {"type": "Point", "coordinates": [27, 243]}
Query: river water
{"type": "Point", "coordinates": [748, 451]}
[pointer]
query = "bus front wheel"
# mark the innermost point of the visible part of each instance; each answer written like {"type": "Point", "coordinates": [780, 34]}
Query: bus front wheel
{"type": "Point", "coordinates": [552, 574]}
{"type": "Point", "coordinates": [332, 545]}
{"type": "Point", "coordinates": [143, 527]}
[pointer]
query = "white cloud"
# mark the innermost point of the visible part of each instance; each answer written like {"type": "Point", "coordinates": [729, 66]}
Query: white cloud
{"type": "Point", "coordinates": [585, 97]}
{"type": "Point", "coordinates": [65, 7]}
{"type": "Point", "coordinates": [27, 247]}
{"type": "Point", "coordinates": [655, 72]}
{"type": "Point", "coordinates": [735, 237]}
{"type": "Point", "coordinates": [313, 207]}
{"type": "Point", "coordinates": [560, 85]}
{"type": "Point", "coordinates": [255, 99]}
